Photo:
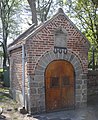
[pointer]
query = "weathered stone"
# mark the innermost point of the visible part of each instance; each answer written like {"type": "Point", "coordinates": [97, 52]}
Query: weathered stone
{"type": "Point", "coordinates": [85, 81]}
{"type": "Point", "coordinates": [34, 91]}
{"type": "Point", "coordinates": [78, 91]}
{"type": "Point", "coordinates": [84, 76]}
{"type": "Point", "coordinates": [41, 90]}
{"type": "Point", "coordinates": [74, 61]}
{"type": "Point", "coordinates": [68, 56]}
{"type": "Point", "coordinates": [78, 72]}
{"type": "Point", "coordinates": [78, 86]}
{"type": "Point", "coordinates": [42, 97]}
{"type": "Point", "coordinates": [84, 98]}
{"type": "Point", "coordinates": [42, 63]}
{"type": "Point", "coordinates": [35, 84]}
{"type": "Point", "coordinates": [40, 68]}
{"type": "Point", "coordinates": [46, 59]}
{"type": "Point", "coordinates": [52, 55]}
{"type": "Point", "coordinates": [42, 109]}
{"type": "Point", "coordinates": [84, 86]}
{"type": "Point", "coordinates": [85, 91]}
{"type": "Point", "coordinates": [79, 82]}
{"type": "Point", "coordinates": [60, 55]}
{"type": "Point", "coordinates": [57, 55]}
{"type": "Point", "coordinates": [71, 57]}
{"type": "Point", "coordinates": [39, 72]}
{"type": "Point", "coordinates": [41, 84]}
{"type": "Point", "coordinates": [77, 68]}
{"type": "Point", "coordinates": [77, 104]}
{"type": "Point", "coordinates": [39, 78]}
{"type": "Point", "coordinates": [78, 98]}
{"type": "Point", "coordinates": [65, 56]}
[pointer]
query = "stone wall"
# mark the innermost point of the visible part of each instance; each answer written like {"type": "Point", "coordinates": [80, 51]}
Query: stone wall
{"type": "Point", "coordinates": [92, 82]}
{"type": "Point", "coordinates": [38, 82]}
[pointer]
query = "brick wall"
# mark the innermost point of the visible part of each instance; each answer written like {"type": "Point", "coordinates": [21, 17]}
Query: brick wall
{"type": "Point", "coordinates": [16, 69]}
{"type": "Point", "coordinates": [39, 47]}
{"type": "Point", "coordinates": [43, 41]}
{"type": "Point", "coordinates": [16, 75]}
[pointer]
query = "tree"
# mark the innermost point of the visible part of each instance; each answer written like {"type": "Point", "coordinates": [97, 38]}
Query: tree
{"type": "Point", "coordinates": [95, 2]}
{"type": "Point", "coordinates": [40, 9]}
{"type": "Point", "coordinates": [86, 13]}
{"type": "Point", "coordinates": [7, 11]}
{"type": "Point", "coordinates": [33, 11]}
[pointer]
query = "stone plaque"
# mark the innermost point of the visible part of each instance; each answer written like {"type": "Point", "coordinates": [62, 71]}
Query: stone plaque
{"type": "Point", "coordinates": [60, 38]}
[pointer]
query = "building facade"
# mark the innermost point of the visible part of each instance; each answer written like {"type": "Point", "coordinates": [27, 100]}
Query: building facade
{"type": "Point", "coordinates": [49, 66]}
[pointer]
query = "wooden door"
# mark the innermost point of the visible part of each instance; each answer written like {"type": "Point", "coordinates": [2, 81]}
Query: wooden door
{"type": "Point", "coordinates": [59, 84]}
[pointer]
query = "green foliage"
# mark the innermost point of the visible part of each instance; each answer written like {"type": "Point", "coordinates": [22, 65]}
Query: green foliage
{"type": "Point", "coordinates": [7, 12]}
{"type": "Point", "coordinates": [86, 15]}
{"type": "Point", "coordinates": [1, 54]}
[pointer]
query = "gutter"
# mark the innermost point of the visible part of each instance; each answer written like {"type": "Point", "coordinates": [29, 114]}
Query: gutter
{"type": "Point", "coordinates": [14, 47]}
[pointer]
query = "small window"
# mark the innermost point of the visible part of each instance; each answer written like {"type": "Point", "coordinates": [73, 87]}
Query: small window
{"type": "Point", "coordinates": [54, 82]}
{"type": "Point", "coordinates": [65, 80]}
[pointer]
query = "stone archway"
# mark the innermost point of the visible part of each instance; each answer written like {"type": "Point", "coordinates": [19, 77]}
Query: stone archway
{"type": "Point", "coordinates": [80, 86]}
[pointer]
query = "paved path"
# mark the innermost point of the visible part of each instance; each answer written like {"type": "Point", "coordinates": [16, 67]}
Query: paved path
{"type": "Point", "coordinates": [88, 113]}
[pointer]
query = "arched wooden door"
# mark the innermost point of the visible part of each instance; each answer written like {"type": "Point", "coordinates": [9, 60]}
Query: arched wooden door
{"type": "Point", "coordinates": [59, 84]}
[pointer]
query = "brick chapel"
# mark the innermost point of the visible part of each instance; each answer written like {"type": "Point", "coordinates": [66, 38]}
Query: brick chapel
{"type": "Point", "coordinates": [49, 66]}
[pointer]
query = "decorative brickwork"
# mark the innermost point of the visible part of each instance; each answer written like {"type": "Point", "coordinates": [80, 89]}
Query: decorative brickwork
{"type": "Point", "coordinates": [40, 43]}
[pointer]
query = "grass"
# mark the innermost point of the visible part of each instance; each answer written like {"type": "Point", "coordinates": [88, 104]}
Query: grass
{"type": "Point", "coordinates": [4, 94]}
{"type": "Point", "coordinates": [1, 69]}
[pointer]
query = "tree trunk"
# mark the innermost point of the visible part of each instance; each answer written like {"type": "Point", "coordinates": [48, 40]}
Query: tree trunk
{"type": "Point", "coordinates": [33, 11]}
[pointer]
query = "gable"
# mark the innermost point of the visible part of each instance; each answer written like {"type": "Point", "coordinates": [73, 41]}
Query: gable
{"type": "Point", "coordinates": [59, 20]}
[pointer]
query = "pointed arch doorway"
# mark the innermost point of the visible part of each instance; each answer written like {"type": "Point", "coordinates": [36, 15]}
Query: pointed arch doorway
{"type": "Point", "coordinates": [59, 86]}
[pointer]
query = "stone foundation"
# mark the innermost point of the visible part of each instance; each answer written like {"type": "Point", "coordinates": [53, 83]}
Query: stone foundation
{"type": "Point", "coordinates": [38, 82]}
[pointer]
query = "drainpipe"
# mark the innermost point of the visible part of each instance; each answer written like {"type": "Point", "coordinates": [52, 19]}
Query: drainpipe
{"type": "Point", "coordinates": [23, 74]}
{"type": "Point", "coordinates": [29, 101]}
{"type": "Point", "coordinates": [23, 110]}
